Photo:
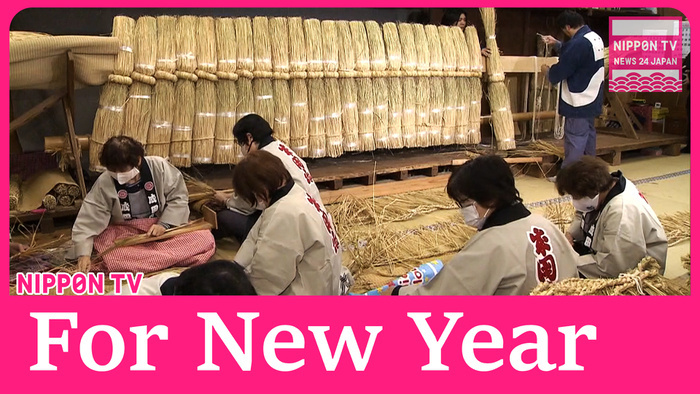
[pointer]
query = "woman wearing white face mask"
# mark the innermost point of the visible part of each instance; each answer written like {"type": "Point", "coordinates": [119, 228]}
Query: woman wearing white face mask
{"type": "Point", "coordinates": [293, 248]}
{"type": "Point", "coordinates": [514, 249]}
{"type": "Point", "coordinates": [149, 195]}
{"type": "Point", "coordinates": [615, 226]}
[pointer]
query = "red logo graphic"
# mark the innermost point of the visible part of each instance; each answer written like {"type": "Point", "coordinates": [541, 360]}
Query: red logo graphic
{"type": "Point", "coordinates": [122, 194]}
{"type": "Point", "coordinates": [297, 162]}
{"type": "Point", "coordinates": [546, 262]}
{"type": "Point", "coordinates": [148, 186]}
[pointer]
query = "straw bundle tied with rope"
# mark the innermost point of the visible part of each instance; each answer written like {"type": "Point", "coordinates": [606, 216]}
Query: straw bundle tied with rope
{"type": "Point", "coordinates": [264, 102]}
{"type": "Point", "coordinates": [297, 49]}
{"type": "Point", "coordinates": [246, 98]}
{"type": "Point", "coordinates": [422, 50]}
{"type": "Point", "coordinates": [380, 92]}
{"type": "Point", "coordinates": [435, 47]}
{"type": "Point", "coordinates": [244, 47]}
{"type": "Point", "coordinates": [205, 93]}
{"type": "Point", "coordinates": [449, 126]}
{"type": "Point", "coordinates": [474, 50]}
{"type": "Point", "coordinates": [65, 201]}
{"type": "Point", "coordinates": [408, 49]}
{"type": "Point", "coordinates": [206, 49]}
{"type": "Point", "coordinates": [279, 42]}
{"type": "Point", "coordinates": [474, 96]}
{"type": "Point", "coordinates": [360, 47]}
{"type": "Point", "coordinates": [163, 101]}
{"type": "Point", "coordinates": [262, 50]}
{"type": "Point", "coordinates": [422, 111]}
{"type": "Point", "coordinates": [49, 202]}
{"type": "Point", "coordinates": [377, 53]}
{"type": "Point", "coordinates": [225, 148]}
{"type": "Point", "coordinates": [314, 48]}
{"type": "Point", "coordinates": [348, 98]}
{"type": "Point", "coordinates": [395, 113]}
{"type": "Point", "coordinates": [365, 112]}
{"type": "Point", "coordinates": [145, 41]}
{"type": "Point", "coordinates": [645, 279]}
{"type": "Point", "coordinates": [561, 214]}
{"type": "Point", "coordinates": [183, 118]}
{"type": "Point", "coordinates": [74, 191]}
{"type": "Point", "coordinates": [15, 191]}
{"type": "Point", "coordinates": [317, 112]}
{"type": "Point", "coordinates": [435, 119]}
{"type": "Point", "coordinates": [540, 148]}
{"type": "Point", "coordinates": [109, 119]}
{"type": "Point", "coordinates": [346, 56]}
{"type": "Point", "coordinates": [461, 52]}
{"type": "Point", "coordinates": [226, 53]}
{"type": "Point", "coordinates": [408, 117]}
{"type": "Point", "coordinates": [392, 43]}
{"type": "Point", "coordinates": [299, 130]}
{"type": "Point", "coordinates": [462, 111]}
{"type": "Point", "coordinates": [501, 116]}
{"type": "Point", "coordinates": [123, 29]}
{"type": "Point", "coordinates": [137, 112]}
{"type": "Point", "coordinates": [449, 52]}
{"type": "Point", "coordinates": [282, 103]}
{"type": "Point", "coordinates": [676, 226]}
{"type": "Point", "coordinates": [494, 68]}
{"type": "Point", "coordinates": [334, 108]}
{"type": "Point", "coordinates": [330, 49]}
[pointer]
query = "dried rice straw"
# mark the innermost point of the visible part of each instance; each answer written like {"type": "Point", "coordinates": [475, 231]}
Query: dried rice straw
{"type": "Point", "coordinates": [437, 102]}
{"type": "Point", "coordinates": [226, 151]}
{"type": "Point", "coordinates": [348, 98]}
{"type": "Point", "coordinates": [264, 103]}
{"type": "Point", "coordinates": [204, 122]}
{"type": "Point", "coordinates": [123, 29]}
{"type": "Point", "coordinates": [244, 50]}
{"type": "Point", "coordinates": [282, 104]}
{"type": "Point", "coordinates": [449, 52]}
{"type": "Point", "coordinates": [297, 51]}
{"type": "Point", "coordinates": [61, 189]}
{"type": "Point", "coordinates": [422, 50]}
{"type": "Point", "coordinates": [279, 41]}
{"type": "Point", "coordinates": [330, 49]}
{"type": "Point", "coordinates": [163, 103]}
{"type": "Point", "coordinates": [561, 214]}
{"type": "Point", "coordinates": [435, 47]}
{"type": "Point", "coordinates": [109, 120]}
{"type": "Point", "coordinates": [462, 111]}
{"type": "Point", "coordinates": [49, 202]}
{"type": "Point", "coordinates": [474, 95]}
{"type": "Point", "coordinates": [317, 112]}
{"type": "Point", "coordinates": [408, 49]}
{"type": "Point", "coordinates": [15, 191]}
{"type": "Point", "coordinates": [474, 46]}
{"type": "Point", "coordinates": [183, 121]}
{"type": "Point", "coordinates": [676, 226]}
{"type": "Point", "coordinates": [501, 116]}
{"type": "Point", "coordinates": [299, 130]}
{"type": "Point", "coordinates": [314, 50]}
{"type": "Point", "coordinates": [377, 53]}
{"type": "Point", "coordinates": [645, 279]}
{"type": "Point", "coordinates": [408, 119]}
{"type": "Point", "coordinates": [381, 112]}
{"type": "Point", "coordinates": [494, 68]}
{"type": "Point", "coordinates": [461, 52]}
{"type": "Point", "coordinates": [246, 98]}
{"type": "Point", "coordinates": [360, 47]}
{"type": "Point", "coordinates": [395, 113]}
{"type": "Point", "coordinates": [334, 108]}
{"type": "Point", "coordinates": [226, 49]}
{"type": "Point", "coordinates": [186, 34]}
{"type": "Point", "coordinates": [73, 191]}
{"type": "Point", "coordinates": [365, 113]}
{"type": "Point", "coordinates": [145, 34]}
{"type": "Point", "coordinates": [66, 201]}
{"type": "Point", "coordinates": [262, 50]}
{"type": "Point", "coordinates": [449, 127]}
{"type": "Point", "coordinates": [423, 111]}
{"type": "Point", "coordinates": [392, 44]}
{"type": "Point", "coordinates": [346, 56]}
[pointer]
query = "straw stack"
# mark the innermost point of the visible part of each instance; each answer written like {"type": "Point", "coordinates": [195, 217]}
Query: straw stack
{"type": "Point", "coordinates": [501, 116]}
{"type": "Point", "coordinates": [163, 103]}
{"type": "Point", "coordinates": [314, 48]}
{"type": "Point", "coordinates": [334, 108]}
{"type": "Point", "coordinates": [15, 191]}
{"type": "Point", "coordinates": [449, 62]}
{"type": "Point", "coordinates": [435, 47]}
{"type": "Point", "coordinates": [282, 107]}
{"type": "Point", "coordinates": [317, 113]}
{"type": "Point", "coordinates": [299, 130]}
{"type": "Point", "coordinates": [474, 50]}
{"type": "Point", "coordinates": [392, 43]}
{"type": "Point", "coordinates": [422, 50]}
{"type": "Point", "coordinates": [264, 103]}
{"type": "Point", "coordinates": [437, 103]}
{"type": "Point", "coordinates": [205, 93]}
{"type": "Point", "coordinates": [475, 94]}
{"type": "Point", "coordinates": [184, 117]}
{"type": "Point", "coordinates": [226, 150]}
{"type": "Point", "coordinates": [297, 49]}
{"type": "Point", "coordinates": [365, 95]}
{"type": "Point", "coordinates": [462, 99]}
{"type": "Point", "coordinates": [246, 98]}
{"type": "Point", "coordinates": [423, 110]}
{"type": "Point", "coordinates": [279, 43]}
{"type": "Point", "coordinates": [408, 50]}
{"type": "Point", "coordinates": [244, 44]}
{"type": "Point", "coordinates": [408, 119]}
{"type": "Point", "coordinates": [360, 47]}
{"type": "Point", "coordinates": [137, 112]}
{"type": "Point", "coordinates": [330, 49]}
{"type": "Point", "coordinates": [262, 50]}
{"type": "Point", "coordinates": [109, 119]}
{"type": "Point", "coordinates": [348, 88]}
{"type": "Point", "coordinates": [380, 88]}
{"type": "Point", "coordinates": [494, 67]}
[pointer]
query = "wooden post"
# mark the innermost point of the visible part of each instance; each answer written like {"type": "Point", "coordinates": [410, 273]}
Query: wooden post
{"type": "Point", "coordinates": [69, 109]}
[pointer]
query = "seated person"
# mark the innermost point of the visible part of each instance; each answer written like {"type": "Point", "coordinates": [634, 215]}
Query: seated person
{"type": "Point", "coordinates": [615, 226]}
{"type": "Point", "coordinates": [253, 133]}
{"type": "Point", "coordinates": [293, 248]}
{"type": "Point", "coordinates": [220, 277]}
{"type": "Point", "coordinates": [137, 194]}
{"type": "Point", "coordinates": [513, 250]}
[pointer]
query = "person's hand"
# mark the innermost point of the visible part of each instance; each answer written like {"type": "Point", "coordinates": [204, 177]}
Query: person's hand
{"type": "Point", "coordinates": [570, 238]}
{"type": "Point", "coordinates": [16, 247]}
{"type": "Point", "coordinates": [486, 52]}
{"type": "Point", "coordinates": [156, 231]}
{"type": "Point", "coordinates": [388, 291]}
{"type": "Point", "coordinates": [84, 263]}
{"type": "Point", "coordinates": [549, 40]}
{"type": "Point", "coordinates": [221, 197]}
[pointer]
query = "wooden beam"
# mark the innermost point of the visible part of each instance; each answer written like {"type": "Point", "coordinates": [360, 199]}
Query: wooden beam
{"type": "Point", "coordinates": [621, 115]}
{"type": "Point", "coordinates": [509, 160]}
{"type": "Point", "coordinates": [54, 143]}
{"type": "Point", "coordinates": [36, 110]}
{"type": "Point", "coordinates": [525, 116]}
{"type": "Point", "coordinates": [69, 109]}
{"type": "Point", "coordinates": [524, 64]}
{"type": "Point", "coordinates": [386, 188]}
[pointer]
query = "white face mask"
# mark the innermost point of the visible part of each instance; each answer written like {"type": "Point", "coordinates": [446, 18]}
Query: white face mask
{"type": "Point", "coordinates": [124, 177]}
{"type": "Point", "coordinates": [471, 216]}
{"type": "Point", "coordinates": [586, 204]}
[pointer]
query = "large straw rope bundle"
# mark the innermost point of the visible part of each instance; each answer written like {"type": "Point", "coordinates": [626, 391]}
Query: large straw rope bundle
{"type": "Point", "coordinates": [365, 95]}
{"type": "Point", "coordinates": [408, 49]}
{"type": "Point", "coordinates": [330, 49]}
{"type": "Point", "coordinates": [436, 117]}
{"type": "Point", "coordinates": [334, 108]}
{"type": "Point", "coordinates": [163, 103]}
{"type": "Point", "coordinates": [422, 50]}
{"type": "Point", "coordinates": [65, 200]}
{"type": "Point", "coordinates": [395, 113]}
{"type": "Point", "coordinates": [435, 47]}
{"type": "Point", "coordinates": [475, 58]}
{"type": "Point", "coordinates": [15, 191]}
{"type": "Point", "coordinates": [299, 130]}
{"type": "Point", "coordinates": [475, 94]}
{"type": "Point", "coordinates": [346, 56]}
{"type": "Point", "coordinates": [109, 118]}
{"type": "Point", "coordinates": [205, 93]}
{"type": "Point", "coordinates": [348, 97]}
{"type": "Point", "coordinates": [408, 119]}
{"type": "Point", "coordinates": [226, 151]}
{"type": "Point", "coordinates": [644, 279]}
{"type": "Point", "coordinates": [297, 49]}
{"type": "Point", "coordinates": [282, 103]}
{"type": "Point", "coordinates": [49, 202]}
{"type": "Point", "coordinates": [494, 68]}
{"type": "Point", "coordinates": [501, 115]}
{"type": "Point", "coordinates": [317, 112]}
{"type": "Point", "coordinates": [279, 42]}
{"type": "Point", "coordinates": [183, 120]}
{"type": "Point", "coordinates": [262, 50]}
{"type": "Point", "coordinates": [380, 89]}
{"type": "Point", "coordinates": [422, 111]}
{"type": "Point", "coordinates": [244, 50]}
{"type": "Point", "coordinates": [264, 103]}
{"type": "Point", "coordinates": [314, 48]}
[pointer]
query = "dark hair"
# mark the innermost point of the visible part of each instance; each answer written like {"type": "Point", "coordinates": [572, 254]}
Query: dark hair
{"type": "Point", "coordinates": [220, 277]}
{"type": "Point", "coordinates": [259, 174]}
{"type": "Point", "coordinates": [487, 180]}
{"type": "Point", "coordinates": [569, 18]}
{"type": "Point", "coordinates": [253, 124]}
{"type": "Point", "coordinates": [121, 151]}
{"type": "Point", "coordinates": [420, 16]}
{"type": "Point", "coordinates": [451, 17]}
{"type": "Point", "coordinates": [584, 178]}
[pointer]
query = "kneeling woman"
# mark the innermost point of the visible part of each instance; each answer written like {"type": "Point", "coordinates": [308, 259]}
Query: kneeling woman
{"type": "Point", "coordinates": [137, 194]}
{"type": "Point", "coordinates": [513, 251]}
{"type": "Point", "coordinates": [293, 248]}
{"type": "Point", "coordinates": [615, 226]}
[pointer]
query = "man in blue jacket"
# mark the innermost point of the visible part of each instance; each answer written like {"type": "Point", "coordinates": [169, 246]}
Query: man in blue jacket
{"type": "Point", "coordinates": [581, 72]}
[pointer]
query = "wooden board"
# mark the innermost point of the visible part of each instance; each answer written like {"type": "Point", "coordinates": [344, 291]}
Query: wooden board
{"type": "Point", "coordinates": [387, 188]}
